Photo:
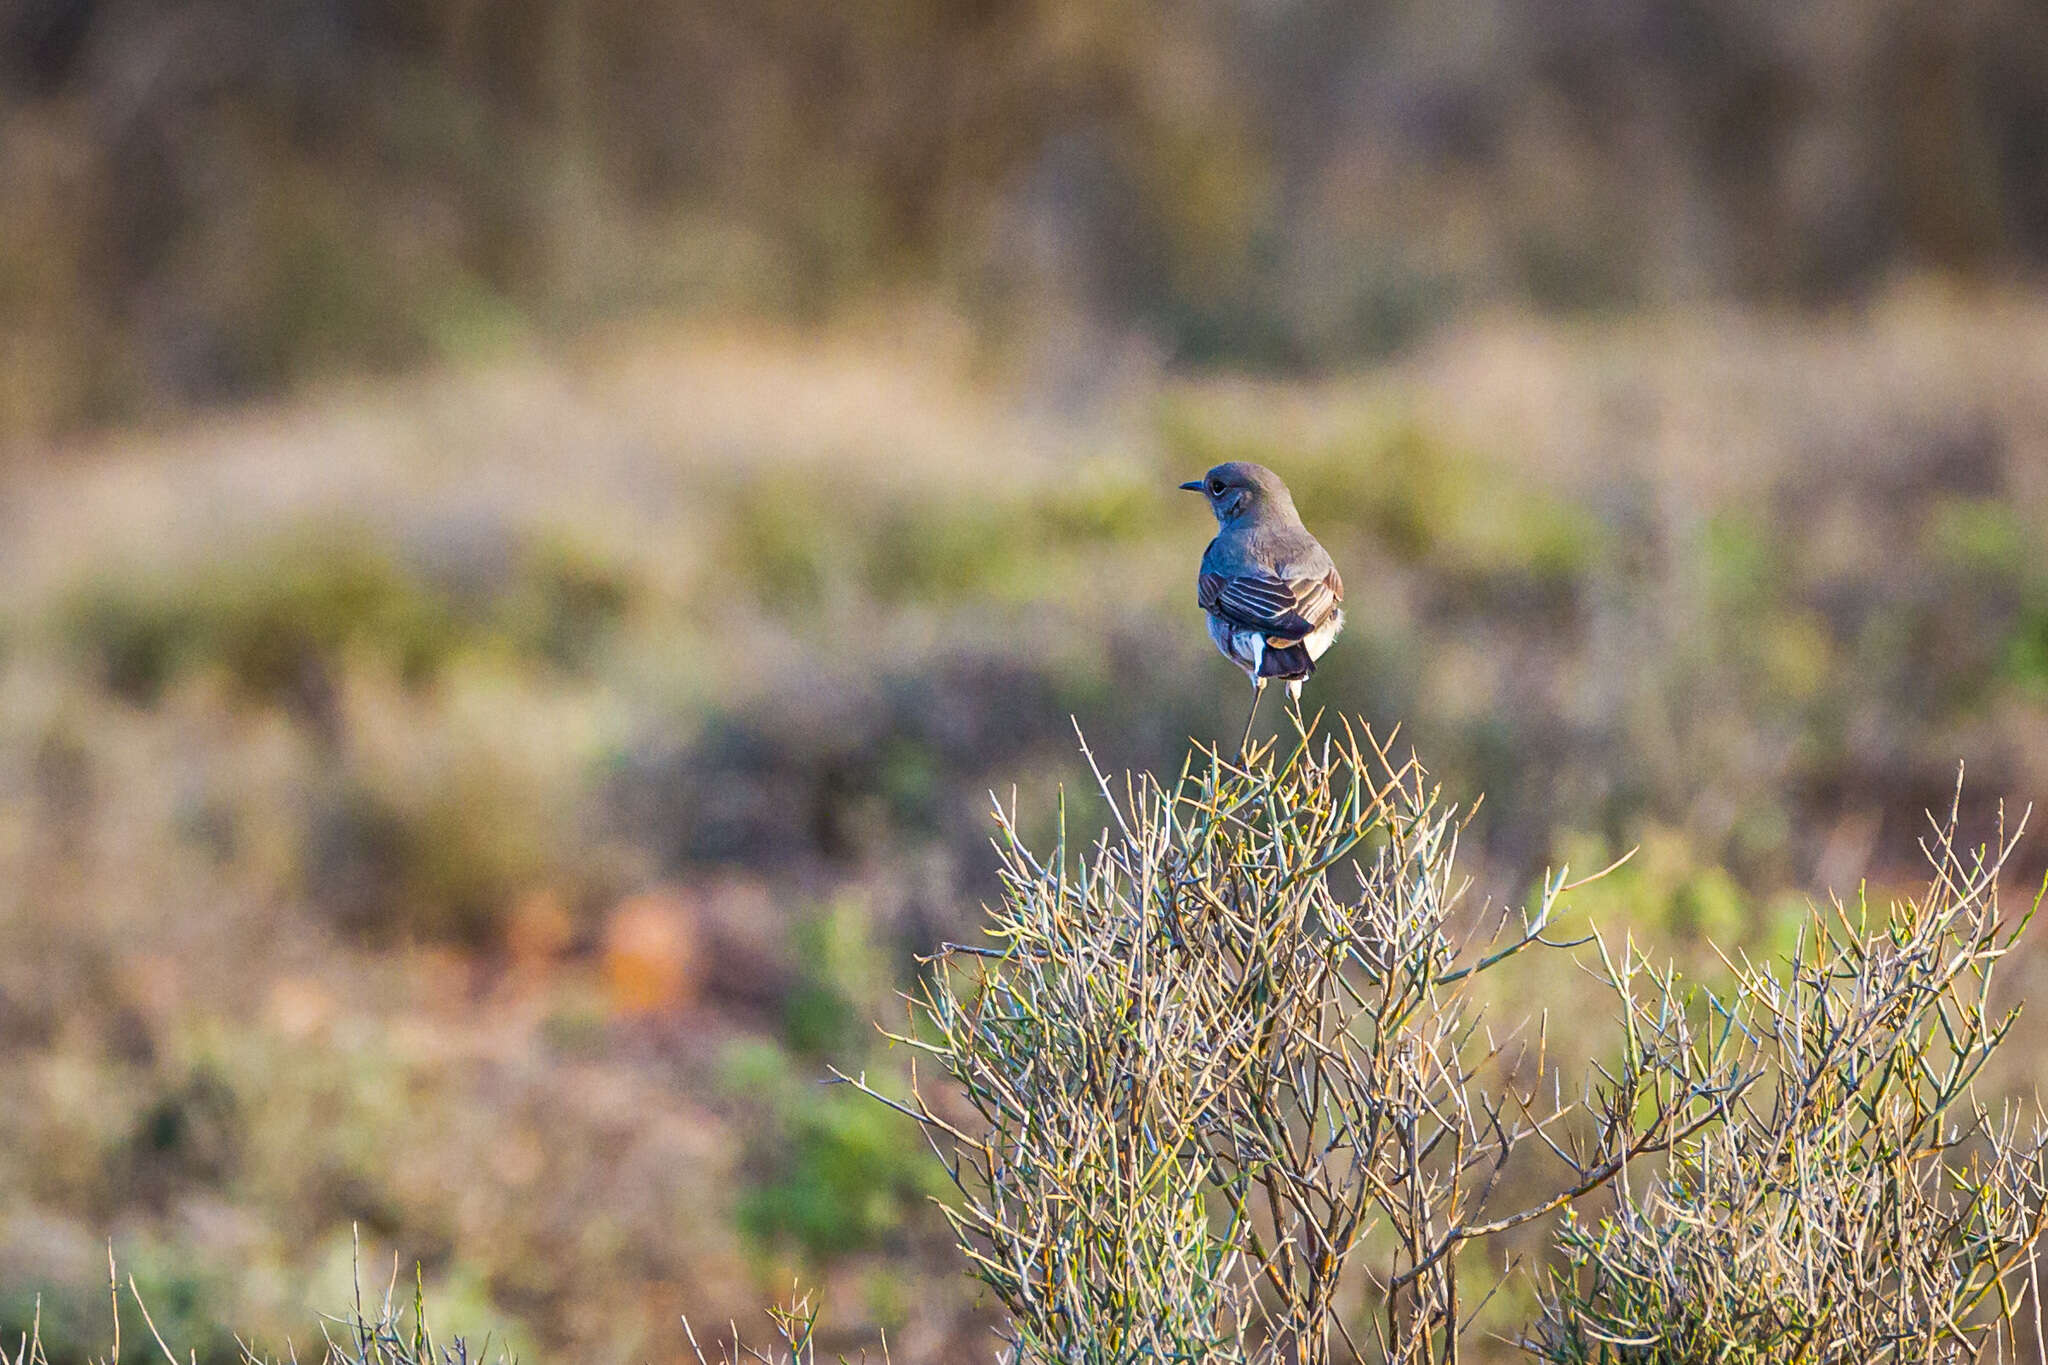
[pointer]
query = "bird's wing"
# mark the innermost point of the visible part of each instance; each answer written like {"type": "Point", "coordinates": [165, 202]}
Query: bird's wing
{"type": "Point", "coordinates": [1284, 608]}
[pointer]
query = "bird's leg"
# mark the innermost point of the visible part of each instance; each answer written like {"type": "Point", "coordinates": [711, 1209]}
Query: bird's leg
{"type": "Point", "coordinates": [1258, 690]}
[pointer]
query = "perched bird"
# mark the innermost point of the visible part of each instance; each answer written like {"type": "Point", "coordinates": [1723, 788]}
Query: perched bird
{"type": "Point", "coordinates": [1271, 592]}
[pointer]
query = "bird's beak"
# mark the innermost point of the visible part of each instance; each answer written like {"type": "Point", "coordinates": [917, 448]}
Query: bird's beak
{"type": "Point", "coordinates": [1193, 485]}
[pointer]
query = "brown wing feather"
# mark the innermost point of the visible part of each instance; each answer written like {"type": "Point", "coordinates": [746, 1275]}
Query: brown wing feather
{"type": "Point", "coordinates": [1284, 608]}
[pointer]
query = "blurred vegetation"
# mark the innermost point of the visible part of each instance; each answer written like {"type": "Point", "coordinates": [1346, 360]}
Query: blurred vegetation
{"type": "Point", "coordinates": [277, 619]}
{"type": "Point", "coordinates": [836, 1177]}
{"type": "Point", "coordinates": [497, 874]}
{"type": "Point", "coordinates": [151, 1311]}
{"type": "Point", "coordinates": [475, 807]}
{"type": "Point", "coordinates": [72, 1322]}
{"type": "Point", "coordinates": [212, 199]}
{"type": "Point", "coordinates": [830, 1174]}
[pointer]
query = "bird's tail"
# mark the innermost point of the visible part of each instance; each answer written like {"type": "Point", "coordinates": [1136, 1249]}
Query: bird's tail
{"type": "Point", "coordinates": [1289, 662]}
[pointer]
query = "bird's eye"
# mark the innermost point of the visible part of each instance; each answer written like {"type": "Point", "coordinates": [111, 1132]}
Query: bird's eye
{"type": "Point", "coordinates": [1215, 488]}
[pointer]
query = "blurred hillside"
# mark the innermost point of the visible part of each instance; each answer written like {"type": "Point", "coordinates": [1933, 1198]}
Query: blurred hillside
{"type": "Point", "coordinates": [208, 199]}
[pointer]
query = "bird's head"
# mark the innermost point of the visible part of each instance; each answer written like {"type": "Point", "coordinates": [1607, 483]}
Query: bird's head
{"type": "Point", "coordinates": [1240, 489]}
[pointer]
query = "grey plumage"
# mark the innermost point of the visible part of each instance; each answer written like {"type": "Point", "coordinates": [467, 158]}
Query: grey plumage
{"type": "Point", "coordinates": [1271, 592]}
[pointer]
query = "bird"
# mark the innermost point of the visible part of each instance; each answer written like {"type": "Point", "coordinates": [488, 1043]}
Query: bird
{"type": "Point", "coordinates": [1272, 594]}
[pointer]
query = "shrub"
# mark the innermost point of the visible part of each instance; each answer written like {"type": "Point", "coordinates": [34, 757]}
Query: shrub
{"type": "Point", "coordinates": [1858, 1205]}
{"type": "Point", "coordinates": [274, 624]}
{"type": "Point", "coordinates": [443, 862]}
{"type": "Point", "coordinates": [1231, 1094]}
{"type": "Point", "coordinates": [1213, 1098]}
{"type": "Point", "coordinates": [279, 621]}
{"type": "Point", "coordinates": [563, 603]}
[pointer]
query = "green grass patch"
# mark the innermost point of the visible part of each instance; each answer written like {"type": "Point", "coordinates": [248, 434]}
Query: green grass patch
{"type": "Point", "coordinates": [832, 1173]}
